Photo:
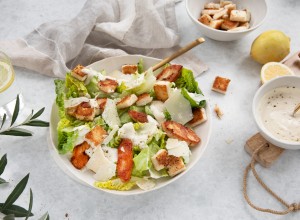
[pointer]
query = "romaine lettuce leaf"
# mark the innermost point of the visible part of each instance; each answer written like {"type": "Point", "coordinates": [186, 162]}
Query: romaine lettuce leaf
{"type": "Point", "coordinates": [98, 121]}
{"type": "Point", "coordinates": [148, 111]}
{"type": "Point", "coordinates": [66, 139]}
{"type": "Point", "coordinates": [75, 88]}
{"type": "Point", "coordinates": [121, 87]}
{"type": "Point", "coordinates": [115, 141]}
{"type": "Point", "coordinates": [167, 115]}
{"type": "Point", "coordinates": [146, 85]}
{"type": "Point", "coordinates": [187, 81]}
{"type": "Point", "coordinates": [141, 163]}
{"type": "Point", "coordinates": [137, 108]}
{"type": "Point", "coordinates": [196, 100]}
{"type": "Point", "coordinates": [125, 118]}
{"type": "Point", "coordinates": [92, 87]}
{"type": "Point", "coordinates": [116, 184]}
{"type": "Point", "coordinates": [140, 65]}
{"type": "Point", "coordinates": [60, 96]}
{"type": "Point", "coordinates": [153, 148]}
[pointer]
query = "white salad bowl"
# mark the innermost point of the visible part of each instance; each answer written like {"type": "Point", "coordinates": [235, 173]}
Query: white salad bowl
{"type": "Point", "coordinates": [257, 8]}
{"type": "Point", "coordinates": [292, 81]}
{"type": "Point", "coordinates": [85, 176]}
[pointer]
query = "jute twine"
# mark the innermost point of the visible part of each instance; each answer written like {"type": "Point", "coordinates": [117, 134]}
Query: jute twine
{"type": "Point", "coordinates": [294, 207]}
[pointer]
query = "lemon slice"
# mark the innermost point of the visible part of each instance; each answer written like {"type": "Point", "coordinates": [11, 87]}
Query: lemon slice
{"type": "Point", "coordinates": [6, 76]}
{"type": "Point", "coordinates": [272, 70]}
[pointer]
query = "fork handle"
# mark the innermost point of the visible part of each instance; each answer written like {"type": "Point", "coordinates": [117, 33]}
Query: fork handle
{"type": "Point", "coordinates": [179, 52]}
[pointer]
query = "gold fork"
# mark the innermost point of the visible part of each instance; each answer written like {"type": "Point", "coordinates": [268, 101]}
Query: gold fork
{"type": "Point", "coordinates": [297, 108]}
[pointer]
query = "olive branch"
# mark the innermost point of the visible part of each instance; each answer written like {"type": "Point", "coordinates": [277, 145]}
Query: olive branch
{"type": "Point", "coordinates": [31, 120]}
{"type": "Point", "coordinates": [8, 207]}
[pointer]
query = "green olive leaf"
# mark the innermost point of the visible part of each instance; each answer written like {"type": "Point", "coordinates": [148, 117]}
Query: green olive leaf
{"type": "Point", "coordinates": [17, 132]}
{"type": "Point", "coordinates": [15, 210]}
{"type": "Point", "coordinates": [3, 163]}
{"type": "Point", "coordinates": [14, 195]}
{"type": "Point", "coordinates": [16, 111]}
{"type": "Point", "coordinates": [9, 217]}
{"type": "Point", "coordinates": [37, 123]}
{"type": "Point", "coordinates": [38, 113]}
{"type": "Point", "coordinates": [45, 217]}
{"type": "Point", "coordinates": [30, 205]}
{"type": "Point", "coordinates": [2, 181]}
{"type": "Point", "coordinates": [3, 121]}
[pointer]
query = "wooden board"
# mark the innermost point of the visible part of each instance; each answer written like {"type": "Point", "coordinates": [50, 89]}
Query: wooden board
{"type": "Point", "coordinates": [294, 63]}
{"type": "Point", "coordinates": [267, 155]}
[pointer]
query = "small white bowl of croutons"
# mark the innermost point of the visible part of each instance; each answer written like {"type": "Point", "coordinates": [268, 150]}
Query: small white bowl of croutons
{"type": "Point", "coordinates": [226, 20]}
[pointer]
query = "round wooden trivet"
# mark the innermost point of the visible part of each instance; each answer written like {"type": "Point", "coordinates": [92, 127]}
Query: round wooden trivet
{"type": "Point", "coordinates": [265, 153]}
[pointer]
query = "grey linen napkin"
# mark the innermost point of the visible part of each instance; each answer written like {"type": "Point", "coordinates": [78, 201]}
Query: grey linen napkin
{"type": "Point", "coordinates": [103, 28]}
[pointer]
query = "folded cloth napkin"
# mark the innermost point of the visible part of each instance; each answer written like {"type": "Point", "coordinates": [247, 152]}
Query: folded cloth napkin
{"type": "Point", "coordinates": [101, 29]}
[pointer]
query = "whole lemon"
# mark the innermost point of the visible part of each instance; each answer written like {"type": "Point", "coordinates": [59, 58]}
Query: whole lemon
{"type": "Point", "coordinates": [270, 46]}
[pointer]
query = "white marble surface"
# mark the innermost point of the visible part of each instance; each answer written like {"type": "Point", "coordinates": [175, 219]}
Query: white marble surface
{"type": "Point", "coordinates": [212, 189]}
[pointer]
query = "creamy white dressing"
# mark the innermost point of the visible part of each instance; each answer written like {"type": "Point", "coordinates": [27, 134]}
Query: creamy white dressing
{"type": "Point", "coordinates": [139, 137]}
{"type": "Point", "coordinates": [91, 73]}
{"type": "Point", "coordinates": [275, 110]}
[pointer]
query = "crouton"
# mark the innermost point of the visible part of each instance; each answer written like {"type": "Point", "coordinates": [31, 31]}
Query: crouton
{"type": "Point", "coordinates": [225, 17]}
{"type": "Point", "coordinates": [101, 105]}
{"type": "Point", "coordinates": [210, 11]}
{"type": "Point", "coordinates": [161, 90]}
{"type": "Point", "coordinates": [96, 135]}
{"type": "Point", "coordinates": [227, 24]}
{"type": "Point", "coordinates": [216, 24]}
{"type": "Point", "coordinates": [239, 15]}
{"type": "Point", "coordinates": [127, 101]}
{"type": "Point", "coordinates": [205, 19]}
{"type": "Point", "coordinates": [220, 84]}
{"type": "Point", "coordinates": [199, 116]}
{"type": "Point", "coordinates": [175, 165]}
{"type": "Point", "coordinates": [129, 69]}
{"type": "Point", "coordinates": [79, 158]}
{"type": "Point", "coordinates": [230, 7]}
{"type": "Point", "coordinates": [212, 5]}
{"type": "Point", "coordinates": [245, 24]}
{"type": "Point", "coordinates": [108, 85]}
{"type": "Point", "coordinates": [160, 159]}
{"type": "Point", "coordinates": [78, 74]}
{"type": "Point", "coordinates": [176, 130]}
{"type": "Point", "coordinates": [144, 99]}
{"type": "Point", "coordinates": [220, 14]}
{"type": "Point", "coordinates": [138, 116]}
{"type": "Point", "coordinates": [170, 73]}
{"type": "Point", "coordinates": [83, 111]}
{"type": "Point", "coordinates": [224, 3]}
{"type": "Point", "coordinates": [218, 111]}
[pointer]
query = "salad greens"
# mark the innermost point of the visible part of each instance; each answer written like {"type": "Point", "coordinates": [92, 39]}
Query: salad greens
{"type": "Point", "coordinates": [187, 81]}
{"type": "Point", "coordinates": [76, 99]}
{"type": "Point", "coordinates": [74, 87]}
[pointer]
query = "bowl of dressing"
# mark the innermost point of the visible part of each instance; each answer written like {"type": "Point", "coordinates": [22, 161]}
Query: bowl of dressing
{"type": "Point", "coordinates": [273, 107]}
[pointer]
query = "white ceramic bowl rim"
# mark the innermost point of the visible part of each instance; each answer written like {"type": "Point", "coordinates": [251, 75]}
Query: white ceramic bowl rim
{"type": "Point", "coordinates": [229, 32]}
{"type": "Point", "coordinates": [256, 117]}
{"type": "Point", "coordinates": [69, 171]}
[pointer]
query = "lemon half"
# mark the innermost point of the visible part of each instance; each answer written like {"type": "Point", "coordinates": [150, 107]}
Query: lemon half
{"type": "Point", "coordinates": [272, 70]}
{"type": "Point", "coordinates": [7, 76]}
